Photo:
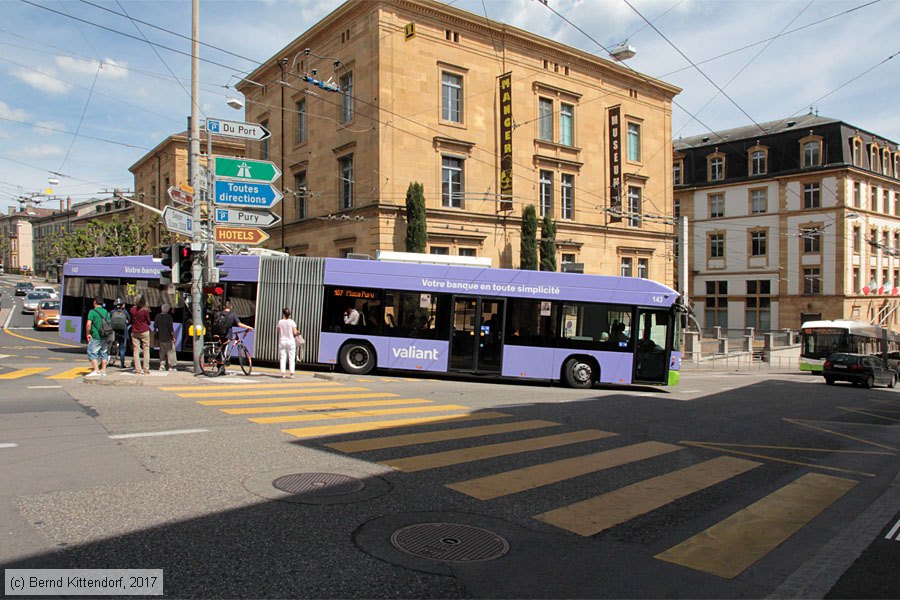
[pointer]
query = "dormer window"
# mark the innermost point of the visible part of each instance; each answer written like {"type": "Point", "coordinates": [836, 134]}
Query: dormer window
{"type": "Point", "coordinates": [874, 157]}
{"type": "Point", "coordinates": [811, 155]}
{"type": "Point", "coordinates": [758, 157]}
{"type": "Point", "coordinates": [896, 165]}
{"type": "Point", "coordinates": [715, 167]}
{"type": "Point", "coordinates": [886, 162]}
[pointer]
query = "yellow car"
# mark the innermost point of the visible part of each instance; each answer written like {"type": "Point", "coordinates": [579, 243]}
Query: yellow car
{"type": "Point", "coordinates": [47, 315]}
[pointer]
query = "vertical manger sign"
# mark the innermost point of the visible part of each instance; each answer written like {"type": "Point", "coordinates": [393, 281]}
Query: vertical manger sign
{"type": "Point", "coordinates": [506, 128]}
{"type": "Point", "coordinates": [615, 166]}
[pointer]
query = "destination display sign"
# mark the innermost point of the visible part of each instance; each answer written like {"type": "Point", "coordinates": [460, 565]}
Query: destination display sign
{"type": "Point", "coordinates": [247, 194]}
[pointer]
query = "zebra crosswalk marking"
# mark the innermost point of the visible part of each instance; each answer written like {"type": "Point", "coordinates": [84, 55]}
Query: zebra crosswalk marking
{"type": "Point", "coordinates": [443, 435]}
{"type": "Point", "coordinates": [328, 406]}
{"type": "Point", "coordinates": [353, 414]}
{"type": "Point", "coordinates": [295, 399]}
{"type": "Point", "coordinates": [342, 428]}
{"type": "Point", "coordinates": [435, 460]}
{"type": "Point", "coordinates": [275, 391]}
{"type": "Point", "coordinates": [19, 373]}
{"type": "Point", "coordinates": [730, 546]}
{"type": "Point", "coordinates": [591, 516]}
{"type": "Point", "coordinates": [249, 386]}
{"type": "Point", "coordinates": [528, 478]}
{"type": "Point", "coordinates": [72, 373]}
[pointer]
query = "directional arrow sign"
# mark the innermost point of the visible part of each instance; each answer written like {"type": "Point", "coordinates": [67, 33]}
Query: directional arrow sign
{"type": "Point", "coordinates": [178, 221]}
{"type": "Point", "coordinates": [180, 196]}
{"type": "Point", "coordinates": [250, 195]}
{"type": "Point", "coordinates": [246, 217]}
{"type": "Point", "coordinates": [245, 169]}
{"type": "Point", "coordinates": [238, 129]}
{"type": "Point", "coordinates": [240, 235]}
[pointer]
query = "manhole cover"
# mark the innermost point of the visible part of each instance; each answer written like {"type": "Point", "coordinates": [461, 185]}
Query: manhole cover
{"type": "Point", "coordinates": [318, 484]}
{"type": "Point", "coordinates": [449, 542]}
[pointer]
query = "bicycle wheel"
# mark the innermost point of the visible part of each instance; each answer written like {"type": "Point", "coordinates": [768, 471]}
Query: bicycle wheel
{"type": "Point", "coordinates": [210, 363]}
{"type": "Point", "coordinates": [244, 359]}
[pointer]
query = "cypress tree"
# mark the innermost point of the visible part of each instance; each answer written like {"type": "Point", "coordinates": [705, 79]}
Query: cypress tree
{"type": "Point", "coordinates": [548, 244]}
{"type": "Point", "coordinates": [416, 227]}
{"type": "Point", "coordinates": [529, 248]}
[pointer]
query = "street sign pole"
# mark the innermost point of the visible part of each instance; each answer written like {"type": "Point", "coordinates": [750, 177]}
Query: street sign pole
{"type": "Point", "coordinates": [199, 186]}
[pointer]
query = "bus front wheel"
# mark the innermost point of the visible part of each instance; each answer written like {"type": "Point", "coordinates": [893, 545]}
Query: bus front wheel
{"type": "Point", "coordinates": [578, 373]}
{"type": "Point", "coordinates": [357, 358]}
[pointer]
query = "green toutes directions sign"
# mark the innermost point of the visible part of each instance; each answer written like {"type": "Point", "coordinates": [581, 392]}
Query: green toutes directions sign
{"type": "Point", "coordinates": [245, 169]}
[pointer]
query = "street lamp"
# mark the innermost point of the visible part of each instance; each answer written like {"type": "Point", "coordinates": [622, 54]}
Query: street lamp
{"type": "Point", "coordinates": [235, 103]}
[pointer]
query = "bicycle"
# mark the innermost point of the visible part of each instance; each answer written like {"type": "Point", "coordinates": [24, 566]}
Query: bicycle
{"type": "Point", "coordinates": [216, 355]}
{"type": "Point", "coordinates": [114, 349]}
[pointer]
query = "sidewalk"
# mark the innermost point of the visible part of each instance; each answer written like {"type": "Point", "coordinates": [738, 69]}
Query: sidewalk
{"type": "Point", "coordinates": [185, 376]}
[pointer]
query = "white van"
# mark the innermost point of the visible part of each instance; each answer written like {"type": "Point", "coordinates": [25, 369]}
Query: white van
{"type": "Point", "coordinates": [47, 290]}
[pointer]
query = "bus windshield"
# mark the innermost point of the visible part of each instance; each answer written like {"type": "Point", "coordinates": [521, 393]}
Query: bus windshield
{"type": "Point", "coordinates": [820, 344]}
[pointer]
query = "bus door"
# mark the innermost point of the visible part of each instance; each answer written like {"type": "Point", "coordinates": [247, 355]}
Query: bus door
{"type": "Point", "coordinates": [476, 343]}
{"type": "Point", "coordinates": [651, 360]}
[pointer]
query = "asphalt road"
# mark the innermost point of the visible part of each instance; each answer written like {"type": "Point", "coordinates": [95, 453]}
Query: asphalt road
{"type": "Point", "coordinates": [729, 485]}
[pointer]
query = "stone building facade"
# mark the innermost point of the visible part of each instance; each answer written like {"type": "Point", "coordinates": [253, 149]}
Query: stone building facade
{"type": "Point", "coordinates": [489, 118]}
{"type": "Point", "coordinates": [791, 220]}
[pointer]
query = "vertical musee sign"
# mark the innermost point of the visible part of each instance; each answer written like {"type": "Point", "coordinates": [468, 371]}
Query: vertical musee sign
{"type": "Point", "coordinates": [506, 146]}
{"type": "Point", "coordinates": [615, 165]}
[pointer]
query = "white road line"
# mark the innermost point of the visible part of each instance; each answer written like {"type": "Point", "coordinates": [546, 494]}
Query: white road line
{"type": "Point", "coordinates": [893, 531]}
{"type": "Point", "coordinates": [43, 387]}
{"type": "Point", "coordinates": [123, 436]}
{"type": "Point", "coordinates": [9, 316]}
{"type": "Point", "coordinates": [9, 445]}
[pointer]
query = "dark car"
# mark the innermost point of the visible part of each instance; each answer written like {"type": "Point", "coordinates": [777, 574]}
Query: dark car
{"type": "Point", "coordinates": [23, 287]}
{"type": "Point", "coordinates": [858, 369]}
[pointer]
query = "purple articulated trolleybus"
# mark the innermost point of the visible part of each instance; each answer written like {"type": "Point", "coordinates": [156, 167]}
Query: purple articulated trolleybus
{"type": "Point", "coordinates": [440, 318]}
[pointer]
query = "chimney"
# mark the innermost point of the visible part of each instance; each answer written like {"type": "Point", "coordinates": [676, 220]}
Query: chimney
{"type": "Point", "coordinates": [69, 203]}
{"type": "Point", "coordinates": [60, 205]}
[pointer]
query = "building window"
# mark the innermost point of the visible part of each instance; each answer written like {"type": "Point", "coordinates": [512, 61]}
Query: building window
{"type": "Point", "coordinates": [873, 157]}
{"type": "Point", "coordinates": [676, 208]}
{"type": "Point", "coordinates": [567, 258]}
{"type": "Point", "coordinates": [567, 189]}
{"type": "Point", "coordinates": [857, 153]}
{"type": "Point", "coordinates": [546, 193]}
{"type": "Point", "coordinates": [545, 119]}
{"type": "Point", "coordinates": [346, 97]}
{"type": "Point", "coordinates": [716, 206]}
{"type": "Point", "coordinates": [346, 165]}
{"type": "Point", "coordinates": [896, 247]}
{"type": "Point", "coordinates": [758, 162]}
{"type": "Point", "coordinates": [626, 266]}
{"type": "Point", "coordinates": [758, 243]}
{"type": "Point", "coordinates": [716, 304]}
{"type": "Point", "coordinates": [300, 194]}
{"type": "Point", "coordinates": [811, 195]}
{"type": "Point", "coordinates": [643, 268]}
{"type": "Point", "coordinates": [812, 281]}
{"type": "Point", "coordinates": [345, 252]}
{"type": "Point", "coordinates": [300, 137]}
{"type": "Point", "coordinates": [717, 168]}
{"type": "Point", "coordinates": [857, 195]}
{"type": "Point", "coordinates": [634, 206]}
{"type": "Point", "coordinates": [264, 144]}
{"type": "Point", "coordinates": [758, 305]}
{"type": "Point", "coordinates": [467, 252]}
{"type": "Point", "coordinates": [566, 124]}
{"type": "Point", "coordinates": [857, 240]}
{"type": "Point", "coordinates": [811, 154]}
{"type": "Point", "coordinates": [857, 280]}
{"type": "Point", "coordinates": [759, 201]}
{"type": "Point", "coordinates": [451, 97]}
{"type": "Point", "coordinates": [634, 142]}
{"type": "Point", "coordinates": [886, 162]}
{"type": "Point", "coordinates": [677, 172]}
{"type": "Point", "coordinates": [812, 241]}
{"type": "Point", "coordinates": [717, 245]}
{"type": "Point", "coordinates": [452, 182]}
{"type": "Point", "coordinates": [440, 250]}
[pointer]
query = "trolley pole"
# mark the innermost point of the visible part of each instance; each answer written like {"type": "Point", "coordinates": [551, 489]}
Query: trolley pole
{"type": "Point", "coordinates": [198, 182]}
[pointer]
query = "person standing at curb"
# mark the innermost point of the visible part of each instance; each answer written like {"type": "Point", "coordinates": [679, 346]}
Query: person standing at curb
{"type": "Point", "coordinates": [287, 344]}
{"type": "Point", "coordinates": [120, 320]}
{"type": "Point", "coordinates": [140, 335]}
{"type": "Point", "coordinates": [97, 345]}
{"type": "Point", "coordinates": [165, 337]}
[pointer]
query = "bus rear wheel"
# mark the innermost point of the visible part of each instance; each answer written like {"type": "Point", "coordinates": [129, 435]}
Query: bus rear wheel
{"type": "Point", "coordinates": [578, 373]}
{"type": "Point", "coordinates": [357, 358]}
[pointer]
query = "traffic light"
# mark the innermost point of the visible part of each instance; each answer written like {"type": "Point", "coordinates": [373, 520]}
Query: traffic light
{"type": "Point", "coordinates": [170, 271]}
{"type": "Point", "coordinates": [185, 263]}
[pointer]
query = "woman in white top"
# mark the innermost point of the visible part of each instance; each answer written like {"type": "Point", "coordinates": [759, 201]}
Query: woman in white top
{"type": "Point", "coordinates": [287, 345]}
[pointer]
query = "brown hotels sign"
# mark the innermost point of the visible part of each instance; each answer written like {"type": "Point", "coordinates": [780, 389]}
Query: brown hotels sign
{"type": "Point", "coordinates": [506, 129]}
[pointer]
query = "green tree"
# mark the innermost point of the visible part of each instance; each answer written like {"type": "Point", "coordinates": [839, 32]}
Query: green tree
{"type": "Point", "coordinates": [548, 244]}
{"type": "Point", "coordinates": [529, 248]}
{"type": "Point", "coordinates": [416, 226]}
{"type": "Point", "coordinates": [117, 237]}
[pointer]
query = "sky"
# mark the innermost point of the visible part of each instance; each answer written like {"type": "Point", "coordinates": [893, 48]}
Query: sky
{"type": "Point", "coordinates": [86, 90]}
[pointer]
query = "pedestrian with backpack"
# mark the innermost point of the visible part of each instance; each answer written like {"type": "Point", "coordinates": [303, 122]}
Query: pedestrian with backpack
{"type": "Point", "coordinates": [140, 335]}
{"type": "Point", "coordinates": [120, 321]}
{"type": "Point", "coordinates": [97, 324]}
{"type": "Point", "coordinates": [225, 322]}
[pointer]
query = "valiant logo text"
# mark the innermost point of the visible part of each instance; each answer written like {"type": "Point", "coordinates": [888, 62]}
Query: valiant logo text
{"type": "Point", "coordinates": [416, 353]}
